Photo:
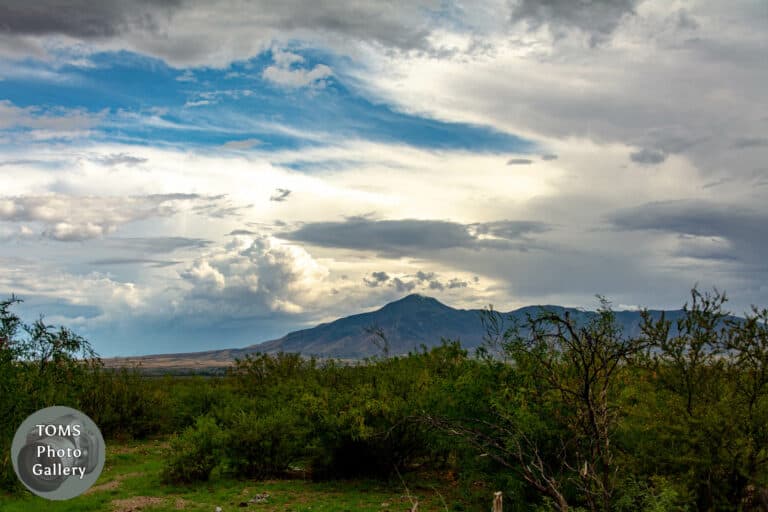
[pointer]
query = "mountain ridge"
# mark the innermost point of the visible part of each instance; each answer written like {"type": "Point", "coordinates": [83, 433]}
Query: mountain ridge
{"type": "Point", "coordinates": [408, 323]}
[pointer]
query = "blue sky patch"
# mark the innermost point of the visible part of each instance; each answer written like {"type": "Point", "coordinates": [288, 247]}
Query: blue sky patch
{"type": "Point", "coordinates": [285, 100]}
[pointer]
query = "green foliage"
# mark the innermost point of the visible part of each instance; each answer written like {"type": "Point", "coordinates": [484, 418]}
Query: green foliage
{"type": "Point", "coordinates": [561, 411]}
{"type": "Point", "coordinates": [260, 446]}
{"type": "Point", "coordinates": [123, 403]}
{"type": "Point", "coordinates": [40, 366]}
{"type": "Point", "coordinates": [194, 454]}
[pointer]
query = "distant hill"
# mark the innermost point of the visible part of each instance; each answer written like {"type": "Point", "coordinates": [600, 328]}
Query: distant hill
{"type": "Point", "coordinates": [407, 323]}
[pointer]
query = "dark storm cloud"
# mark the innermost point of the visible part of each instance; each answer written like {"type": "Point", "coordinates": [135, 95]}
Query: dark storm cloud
{"type": "Point", "coordinates": [408, 235]}
{"type": "Point", "coordinates": [171, 29]}
{"type": "Point", "coordinates": [280, 195]}
{"type": "Point", "coordinates": [700, 218]}
{"type": "Point", "coordinates": [519, 161]}
{"type": "Point", "coordinates": [82, 18]}
{"type": "Point", "coordinates": [648, 157]}
{"type": "Point", "coordinates": [599, 18]}
{"type": "Point", "coordinates": [707, 230]}
{"type": "Point", "coordinates": [397, 24]}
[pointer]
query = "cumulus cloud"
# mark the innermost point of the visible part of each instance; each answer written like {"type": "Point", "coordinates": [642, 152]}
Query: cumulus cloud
{"type": "Point", "coordinates": [425, 276]}
{"type": "Point", "coordinates": [403, 286]}
{"type": "Point", "coordinates": [286, 71]}
{"type": "Point", "coordinates": [376, 279]}
{"type": "Point", "coordinates": [251, 276]}
{"type": "Point", "coordinates": [425, 281]}
{"type": "Point", "coordinates": [102, 292]}
{"type": "Point", "coordinates": [457, 283]}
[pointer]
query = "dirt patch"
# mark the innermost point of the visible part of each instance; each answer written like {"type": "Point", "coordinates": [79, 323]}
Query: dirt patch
{"type": "Point", "coordinates": [136, 504]}
{"type": "Point", "coordinates": [181, 504]}
{"type": "Point", "coordinates": [109, 486]}
{"type": "Point", "coordinates": [113, 484]}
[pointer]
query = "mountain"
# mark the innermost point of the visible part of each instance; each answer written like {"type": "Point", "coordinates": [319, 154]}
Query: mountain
{"type": "Point", "coordinates": [407, 324]}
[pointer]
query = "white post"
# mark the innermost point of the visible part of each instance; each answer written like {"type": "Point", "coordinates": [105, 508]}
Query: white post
{"type": "Point", "coordinates": [497, 502]}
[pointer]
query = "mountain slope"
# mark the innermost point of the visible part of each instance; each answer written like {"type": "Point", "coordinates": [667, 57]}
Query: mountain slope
{"type": "Point", "coordinates": [407, 323]}
{"type": "Point", "coordinates": [410, 322]}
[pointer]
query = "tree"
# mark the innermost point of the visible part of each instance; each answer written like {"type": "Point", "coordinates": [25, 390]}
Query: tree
{"type": "Point", "coordinates": [40, 365]}
{"type": "Point", "coordinates": [711, 372]}
{"type": "Point", "coordinates": [555, 409]}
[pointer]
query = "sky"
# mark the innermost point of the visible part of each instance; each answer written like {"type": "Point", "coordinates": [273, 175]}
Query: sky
{"type": "Point", "coordinates": [188, 175]}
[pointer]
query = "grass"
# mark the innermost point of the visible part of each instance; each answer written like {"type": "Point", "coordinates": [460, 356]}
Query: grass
{"type": "Point", "coordinates": [130, 482]}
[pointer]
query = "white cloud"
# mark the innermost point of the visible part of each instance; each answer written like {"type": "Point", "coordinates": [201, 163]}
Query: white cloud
{"type": "Point", "coordinates": [43, 124]}
{"type": "Point", "coordinates": [77, 218]}
{"type": "Point", "coordinates": [255, 276]}
{"type": "Point", "coordinates": [286, 73]}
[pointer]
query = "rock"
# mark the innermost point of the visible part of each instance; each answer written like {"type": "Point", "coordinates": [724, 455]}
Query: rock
{"type": "Point", "coordinates": [260, 498]}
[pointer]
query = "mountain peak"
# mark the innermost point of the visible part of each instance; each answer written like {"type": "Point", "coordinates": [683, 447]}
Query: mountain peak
{"type": "Point", "coordinates": [416, 296]}
{"type": "Point", "coordinates": [416, 300]}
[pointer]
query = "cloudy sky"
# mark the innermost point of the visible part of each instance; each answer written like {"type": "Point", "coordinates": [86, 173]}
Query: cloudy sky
{"type": "Point", "coordinates": [193, 174]}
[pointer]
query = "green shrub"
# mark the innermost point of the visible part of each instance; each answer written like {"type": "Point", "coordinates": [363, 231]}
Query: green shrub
{"type": "Point", "coordinates": [123, 404]}
{"type": "Point", "coordinates": [194, 454]}
{"type": "Point", "coordinates": [261, 446]}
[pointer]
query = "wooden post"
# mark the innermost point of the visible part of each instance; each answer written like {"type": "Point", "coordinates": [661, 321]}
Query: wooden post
{"type": "Point", "coordinates": [497, 502]}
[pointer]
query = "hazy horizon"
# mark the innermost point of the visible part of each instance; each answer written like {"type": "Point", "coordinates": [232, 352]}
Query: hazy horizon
{"type": "Point", "coordinates": [184, 176]}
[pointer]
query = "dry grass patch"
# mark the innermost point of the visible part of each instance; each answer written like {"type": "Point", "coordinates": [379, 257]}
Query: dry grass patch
{"type": "Point", "coordinates": [136, 504]}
